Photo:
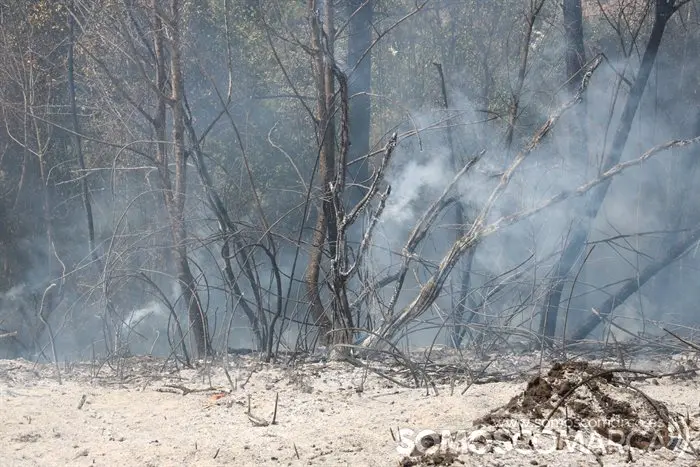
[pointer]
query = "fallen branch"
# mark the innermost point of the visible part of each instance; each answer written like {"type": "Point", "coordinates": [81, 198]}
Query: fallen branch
{"type": "Point", "coordinates": [422, 228]}
{"type": "Point", "coordinates": [274, 415]}
{"type": "Point", "coordinates": [635, 283]}
{"type": "Point", "coordinates": [259, 421]}
{"type": "Point", "coordinates": [478, 232]}
{"type": "Point", "coordinates": [430, 291]}
{"type": "Point", "coordinates": [686, 342]}
{"type": "Point", "coordinates": [183, 390]}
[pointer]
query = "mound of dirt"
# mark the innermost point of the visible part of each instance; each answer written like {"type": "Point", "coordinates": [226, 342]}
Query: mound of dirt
{"type": "Point", "coordinates": [578, 398]}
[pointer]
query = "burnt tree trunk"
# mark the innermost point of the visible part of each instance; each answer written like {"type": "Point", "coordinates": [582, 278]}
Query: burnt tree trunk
{"type": "Point", "coordinates": [664, 11]}
{"type": "Point", "coordinates": [197, 318]}
{"type": "Point", "coordinates": [325, 223]}
{"type": "Point", "coordinates": [359, 83]}
{"type": "Point", "coordinates": [674, 246]}
{"type": "Point", "coordinates": [578, 148]}
{"type": "Point", "coordinates": [460, 307]}
{"type": "Point", "coordinates": [174, 194]}
{"type": "Point", "coordinates": [77, 141]}
{"type": "Point", "coordinates": [515, 105]}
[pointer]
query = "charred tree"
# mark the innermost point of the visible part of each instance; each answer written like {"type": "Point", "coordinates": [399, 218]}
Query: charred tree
{"type": "Point", "coordinates": [517, 91]}
{"type": "Point", "coordinates": [460, 306]}
{"type": "Point", "coordinates": [176, 198]}
{"type": "Point", "coordinates": [321, 25]}
{"type": "Point", "coordinates": [633, 285]}
{"type": "Point", "coordinates": [170, 94]}
{"type": "Point", "coordinates": [77, 139]}
{"type": "Point", "coordinates": [674, 246]}
{"type": "Point", "coordinates": [478, 230]}
{"type": "Point", "coordinates": [359, 83]}
{"type": "Point", "coordinates": [663, 12]}
{"type": "Point", "coordinates": [578, 148]}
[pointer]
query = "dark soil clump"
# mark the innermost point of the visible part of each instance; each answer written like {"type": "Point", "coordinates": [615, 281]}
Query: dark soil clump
{"type": "Point", "coordinates": [575, 396]}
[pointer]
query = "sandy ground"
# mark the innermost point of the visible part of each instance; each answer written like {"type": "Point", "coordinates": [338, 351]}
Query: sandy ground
{"type": "Point", "coordinates": [328, 414]}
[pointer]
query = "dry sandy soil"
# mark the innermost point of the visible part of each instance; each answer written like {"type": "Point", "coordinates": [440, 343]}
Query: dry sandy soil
{"type": "Point", "coordinates": [148, 413]}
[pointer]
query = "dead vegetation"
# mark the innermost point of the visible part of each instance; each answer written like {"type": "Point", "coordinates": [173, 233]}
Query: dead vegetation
{"type": "Point", "coordinates": [592, 407]}
{"type": "Point", "coordinates": [504, 405]}
{"type": "Point", "coordinates": [579, 396]}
